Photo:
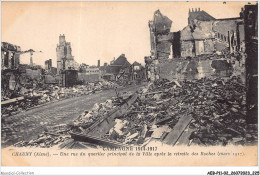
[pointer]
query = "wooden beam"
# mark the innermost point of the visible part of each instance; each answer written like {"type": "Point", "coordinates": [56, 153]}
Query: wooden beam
{"type": "Point", "coordinates": [178, 129]}
{"type": "Point", "coordinates": [12, 100]}
{"type": "Point", "coordinates": [101, 127]}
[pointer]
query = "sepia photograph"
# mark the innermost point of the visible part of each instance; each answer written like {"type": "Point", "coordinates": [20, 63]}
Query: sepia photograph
{"type": "Point", "coordinates": [129, 83]}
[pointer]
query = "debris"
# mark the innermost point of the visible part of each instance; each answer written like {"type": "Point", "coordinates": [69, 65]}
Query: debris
{"type": "Point", "coordinates": [165, 111]}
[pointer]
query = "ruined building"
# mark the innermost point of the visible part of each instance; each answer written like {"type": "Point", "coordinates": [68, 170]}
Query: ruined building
{"type": "Point", "coordinates": [161, 43]}
{"type": "Point", "coordinates": [49, 69]}
{"type": "Point", "coordinates": [48, 64]}
{"type": "Point", "coordinates": [118, 70]}
{"type": "Point", "coordinates": [10, 55]}
{"type": "Point", "coordinates": [206, 35]}
{"type": "Point", "coordinates": [203, 36]}
{"type": "Point", "coordinates": [160, 35]}
{"type": "Point", "coordinates": [65, 60]}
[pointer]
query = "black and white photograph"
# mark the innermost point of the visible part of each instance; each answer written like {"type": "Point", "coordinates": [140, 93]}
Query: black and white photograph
{"type": "Point", "coordinates": [129, 83]}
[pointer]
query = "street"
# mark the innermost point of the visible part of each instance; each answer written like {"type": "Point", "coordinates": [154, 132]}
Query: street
{"type": "Point", "coordinates": [29, 124]}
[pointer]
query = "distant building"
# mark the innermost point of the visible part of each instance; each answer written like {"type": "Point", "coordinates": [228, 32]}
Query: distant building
{"type": "Point", "coordinates": [49, 69]}
{"type": "Point", "coordinates": [104, 74]}
{"type": "Point", "coordinates": [138, 72]}
{"type": "Point", "coordinates": [118, 70]}
{"type": "Point", "coordinates": [65, 60]}
{"type": "Point", "coordinates": [89, 74]}
{"type": "Point", "coordinates": [48, 64]}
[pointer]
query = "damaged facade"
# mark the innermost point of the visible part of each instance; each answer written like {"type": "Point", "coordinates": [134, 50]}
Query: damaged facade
{"type": "Point", "coordinates": [10, 55]}
{"type": "Point", "coordinates": [207, 35]}
{"type": "Point", "coordinates": [67, 67]}
{"type": "Point", "coordinates": [65, 60]}
{"type": "Point", "coordinates": [16, 75]}
{"type": "Point", "coordinates": [161, 43]}
{"type": "Point", "coordinates": [118, 70]}
{"type": "Point", "coordinates": [203, 38]}
{"type": "Point", "coordinates": [137, 72]}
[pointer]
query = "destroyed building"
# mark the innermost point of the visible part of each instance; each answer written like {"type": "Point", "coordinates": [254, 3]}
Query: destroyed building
{"type": "Point", "coordinates": [49, 69]}
{"type": "Point", "coordinates": [207, 35]}
{"type": "Point", "coordinates": [67, 67]}
{"type": "Point", "coordinates": [161, 43]}
{"type": "Point", "coordinates": [160, 36]}
{"type": "Point", "coordinates": [203, 37]}
{"type": "Point", "coordinates": [137, 72]}
{"type": "Point", "coordinates": [10, 55]}
{"type": "Point", "coordinates": [65, 60]}
{"type": "Point", "coordinates": [104, 72]}
{"type": "Point", "coordinates": [118, 70]}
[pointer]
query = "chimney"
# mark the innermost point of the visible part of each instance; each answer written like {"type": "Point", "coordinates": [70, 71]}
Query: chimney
{"type": "Point", "coordinates": [50, 63]}
{"type": "Point", "coordinates": [98, 63]}
{"type": "Point", "coordinates": [192, 10]}
{"type": "Point", "coordinates": [105, 64]}
{"type": "Point", "coordinates": [189, 10]}
{"type": "Point", "coordinates": [199, 9]}
{"type": "Point", "coordinates": [195, 9]}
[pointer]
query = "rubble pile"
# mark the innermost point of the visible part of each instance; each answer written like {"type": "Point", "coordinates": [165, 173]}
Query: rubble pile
{"type": "Point", "coordinates": [87, 118]}
{"type": "Point", "coordinates": [217, 107]}
{"type": "Point", "coordinates": [34, 97]}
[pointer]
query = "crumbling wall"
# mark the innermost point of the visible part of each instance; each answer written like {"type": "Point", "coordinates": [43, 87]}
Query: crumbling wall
{"type": "Point", "coordinates": [10, 55]}
{"type": "Point", "coordinates": [187, 49]}
{"type": "Point", "coordinates": [209, 47]}
{"type": "Point", "coordinates": [180, 69]}
{"type": "Point", "coordinates": [161, 44]}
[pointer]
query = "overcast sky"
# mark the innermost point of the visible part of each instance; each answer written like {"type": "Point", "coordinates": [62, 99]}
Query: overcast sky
{"type": "Point", "coordinates": [96, 30]}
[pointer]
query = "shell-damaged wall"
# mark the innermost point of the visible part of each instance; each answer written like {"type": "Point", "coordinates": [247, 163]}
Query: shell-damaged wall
{"type": "Point", "coordinates": [199, 63]}
{"type": "Point", "coordinates": [180, 69]}
{"type": "Point", "coordinates": [161, 44]}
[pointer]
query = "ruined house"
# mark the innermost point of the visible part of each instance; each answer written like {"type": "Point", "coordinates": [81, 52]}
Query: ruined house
{"type": "Point", "coordinates": [203, 36]}
{"type": "Point", "coordinates": [207, 35]}
{"type": "Point", "coordinates": [137, 72]}
{"type": "Point", "coordinates": [118, 70]}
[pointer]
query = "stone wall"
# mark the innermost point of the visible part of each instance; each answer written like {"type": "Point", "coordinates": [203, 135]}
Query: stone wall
{"type": "Point", "coordinates": [180, 69]}
{"type": "Point", "coordinates": [88, 77]}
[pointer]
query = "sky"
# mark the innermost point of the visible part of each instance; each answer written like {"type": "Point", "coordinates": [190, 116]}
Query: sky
{"type": "Point", "coordinates": [96, 30]}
